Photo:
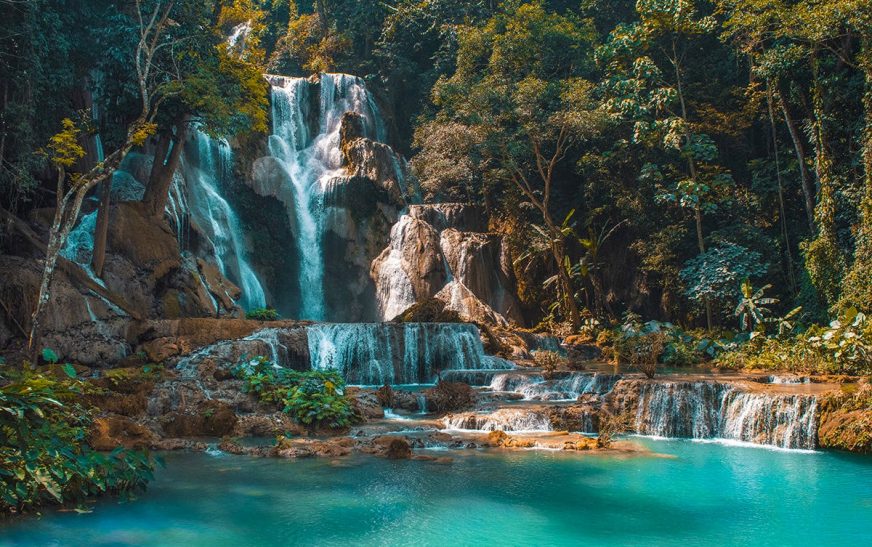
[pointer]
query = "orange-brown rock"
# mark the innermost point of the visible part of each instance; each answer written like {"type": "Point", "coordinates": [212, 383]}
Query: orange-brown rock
{"type": "Point", "coordinates": [392, 447]}
{"type": "Point", "coordinates": [110, 432]}
{"type": "Point", "coordinates": [210, 419]}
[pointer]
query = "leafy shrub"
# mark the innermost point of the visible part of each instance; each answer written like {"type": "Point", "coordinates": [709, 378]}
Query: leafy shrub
{"type": "Point", "coordinates": [842, 347]}
{"type": "Point", "coordinates": [641, 350]}
{"type": "Point", "coordinates": [450, 396]}
{"type": "Point", "coordinates": [680, 353]}
{"type": "Point", "coordinates": [715, 274]}
{"type": "Point", "coordinates": [314, 398]}
{"type": "Point", "coordinates": [610, 425]}
{"type": "Point", "coordinates": [548, 361]}
{"type": "Point", "coordinates": [262, 314]}
{"type": "Point", "coordinates": [44, 458]}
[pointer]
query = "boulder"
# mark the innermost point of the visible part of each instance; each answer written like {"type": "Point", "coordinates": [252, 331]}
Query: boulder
{"type": "Point", "coordinates": [209, 419]}
{"type": "Point", "coordinates": [392, 447]}
{"type": "Point", "coordinates": [110, 432]}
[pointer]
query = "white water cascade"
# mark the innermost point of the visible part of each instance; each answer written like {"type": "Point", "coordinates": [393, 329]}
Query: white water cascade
{"type": "Point", "coordinates": [707, 410]}
{"type": "Point", "coordinates": [307, 148]}
{"type": "Point", "coordinates": [534, 387]}
{"type": "Point", "coordinates": [216, 219]}
{"type": "Point", "coordinates": [397, 353]}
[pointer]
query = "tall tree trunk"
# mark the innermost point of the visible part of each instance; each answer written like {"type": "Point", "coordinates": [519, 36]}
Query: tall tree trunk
{"type": "Point", "coordinates": [570, 306]}
{"type": "Point", "coordinates": [162, 170]}
{"type": "Point", "coordinates": [784, 232]}
{"type": "Point", "coordinates": [697, 210]}
{"type": "Point", "coordinates": [857, 286]}
{"type": "Point", "coordinates": [808, 189]}
{"type": "Point", "coordinates": [66, 212]}
{"type": "Point", "coordinates": [824, 259]}
{"type": "Point", "coordinates": [101, 230]}
{"type": "Point", "coordinates": [558, 251]}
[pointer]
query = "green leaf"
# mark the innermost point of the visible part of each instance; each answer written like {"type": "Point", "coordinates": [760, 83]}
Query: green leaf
{"type": "Point", "coordinates": [50, 356]}
{"type": "Point", "coordinates": [69, 370]}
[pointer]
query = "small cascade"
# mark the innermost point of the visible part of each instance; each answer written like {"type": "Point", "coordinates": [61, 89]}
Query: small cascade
{"type": "Point", "coordinates": [534, 387]}
{"type": "Point", "coordinates": [205, 170]}
{"type": "Point", "coordinates": [306, 145]}
{"type": "Point", "coordinates": [397, 353]}
{"type": "Point", "coordinates": [774, 379]}
{"type": "Point", "coordinates": [79, 247]}
{"type": "Point", "coordinates": [707, 410]}
{"type": "Point", "coordinates": [504, 419]}
{"type": "Point", "coordinates": [422, 404]}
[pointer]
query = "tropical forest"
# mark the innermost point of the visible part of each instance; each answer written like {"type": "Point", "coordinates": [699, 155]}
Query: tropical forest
{"type": "Point", "coordinates": [435, 272]}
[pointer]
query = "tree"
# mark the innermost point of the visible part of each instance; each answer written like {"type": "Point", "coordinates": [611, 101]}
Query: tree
{"type": "Point", "coordinates": [64, 150]}
{"type": "Point", "coordinates": [654, 96]}
{"type": "Point", "coordinates": [519, 89]}
{"type": "Point", "coordinates": [751, 309]}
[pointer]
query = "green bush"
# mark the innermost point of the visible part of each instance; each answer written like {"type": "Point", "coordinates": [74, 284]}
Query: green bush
{"type": "Point", "coordinates": [262, 314]}
{"type": "Point", "coordinates": [549, 361]}
{"type": "Point", "coordinates": [44, 456]}
{"type": "Point", "coordinates": [842, 347]}
{"type": "Point", "coordinates": [315, 398]}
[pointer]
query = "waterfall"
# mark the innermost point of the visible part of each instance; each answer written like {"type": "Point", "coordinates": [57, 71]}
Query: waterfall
{"type": "Point", "coordinates": [534, 387]}
{"type": "Point", "coordinates": [395, 293]}
{"type": "Point", "coordinates": [397, 353]}
{"type": "Point", "coordinates": [705, 410]}
{"type": "Point", "coordinates": [210, 211]}
{"type": "Point", "coordinates": [79, 247]}
{"type": "Point", "coordinates": [310, 162]}
{"type": "Point", "coordinates": [504, 419]}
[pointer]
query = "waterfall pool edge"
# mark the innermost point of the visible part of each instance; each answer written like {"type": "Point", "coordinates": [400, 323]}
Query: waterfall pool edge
{"type": "Point", "coordinates": [702, 494]}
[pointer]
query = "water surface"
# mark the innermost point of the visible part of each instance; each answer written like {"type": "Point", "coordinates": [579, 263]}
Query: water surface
{"type": "Point", "coordinates": [702, 494]}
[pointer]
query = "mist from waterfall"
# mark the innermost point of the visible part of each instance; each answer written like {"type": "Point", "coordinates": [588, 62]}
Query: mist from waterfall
{"type": "Point", "coordinates": [307, 147]}
{"type": "Point", "coordinates": [205, 173]}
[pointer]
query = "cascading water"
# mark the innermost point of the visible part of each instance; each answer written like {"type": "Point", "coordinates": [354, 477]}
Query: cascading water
{"type": "Point", "coordinates": [210, 166]}
{"type": "Point", "coordinates": [410, 353]}
{"type": "Point", "coordinates": [504, 419]}
{"type": "Point", "coordinates": [310, 162]}
{"type": "Point", "coordinates": [706, 410]}
{"type": "Point", "coordinates": [534, 387]}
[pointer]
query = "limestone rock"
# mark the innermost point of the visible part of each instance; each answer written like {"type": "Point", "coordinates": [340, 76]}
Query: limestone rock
{"type": "Point", "coordinates": [392, 447]}
{"type": "Point", "coordinates": [110, 432]}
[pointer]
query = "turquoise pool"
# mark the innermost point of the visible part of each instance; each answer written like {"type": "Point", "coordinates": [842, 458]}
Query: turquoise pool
{"type": "Point", "coordinates": [697, 494]}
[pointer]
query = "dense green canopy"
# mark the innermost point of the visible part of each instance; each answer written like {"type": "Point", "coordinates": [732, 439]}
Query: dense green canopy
{"type": "Point", "coordinates": [626, 149]}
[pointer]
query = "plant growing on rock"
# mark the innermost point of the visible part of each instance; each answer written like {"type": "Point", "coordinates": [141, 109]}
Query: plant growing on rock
{"type": "Point", "coordinates": [314, 398]}
{"type": "Point", "coordinates": [611, 425]}
{"type": "Point", "coordinates": [44, 458]}
{"type": "Point", "coordinates": [385, 396]}
{"type": "Point", "coordinates": [262, 314]}
{"type": "Point", "coordinates": [641, 345]}
{"type": "Point", "coordinates": [549, 361]}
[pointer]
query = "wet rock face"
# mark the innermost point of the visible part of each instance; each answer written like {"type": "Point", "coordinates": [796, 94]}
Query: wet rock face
{"type": "Point", "coordinates": [463, 217]}
{"type": "Point", "coordinates": [77, 325]}
{"type": "Point", "coordinates": [366, 158]}
{"type": "Point", "coordinates": [224, 340]}
{"type": "Point", "coordinates": [411, 269]}
{"type": "Point", "coordinates": [392, 447]}
{"type": "Point", "coordinates": [431, 254]}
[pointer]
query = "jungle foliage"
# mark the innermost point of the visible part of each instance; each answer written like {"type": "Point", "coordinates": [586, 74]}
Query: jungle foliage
{"type": "Point", "coordinates": [314, 398]}
{"type": "Point", "coordinates": [638, 155]}
{"type": "Point", "coordinates": [45, 458]}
